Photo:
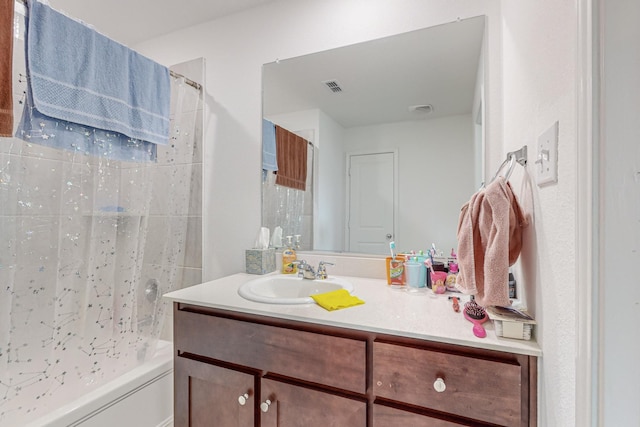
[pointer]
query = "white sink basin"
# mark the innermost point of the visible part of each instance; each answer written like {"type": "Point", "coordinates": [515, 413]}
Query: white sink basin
{"type": "Point", "coordinates": [289, 289]}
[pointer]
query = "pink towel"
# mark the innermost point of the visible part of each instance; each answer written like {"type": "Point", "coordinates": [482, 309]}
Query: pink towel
{"type": "Point", "coordinates": [489, 241]}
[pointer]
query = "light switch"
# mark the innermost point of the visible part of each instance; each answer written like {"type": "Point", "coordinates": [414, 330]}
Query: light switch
{"type": "Point", "coordinates": [546, 163]}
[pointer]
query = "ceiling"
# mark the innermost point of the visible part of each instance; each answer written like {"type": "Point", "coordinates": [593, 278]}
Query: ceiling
{"type": "Point", "coordinates": [382, 79]}
{"type": "Point", "coordinates": [133, 21]}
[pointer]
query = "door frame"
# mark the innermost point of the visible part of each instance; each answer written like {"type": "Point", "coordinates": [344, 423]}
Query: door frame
{"type": "Point", "coordinates": [588, 398]}
{"type": "Point", "coordinates": [396, 188]}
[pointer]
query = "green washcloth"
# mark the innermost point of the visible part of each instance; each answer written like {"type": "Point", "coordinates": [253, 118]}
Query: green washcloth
{"type": "Point", "coordinates": [335, 300]}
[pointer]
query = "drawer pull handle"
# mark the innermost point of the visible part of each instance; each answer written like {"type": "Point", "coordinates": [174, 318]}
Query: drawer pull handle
{"type": "Point", "coordinates": [264, 406]}
{"type": "Point", "coordinates": [439, 385]}
{"type": "Point", "coordinates": [242, 400]}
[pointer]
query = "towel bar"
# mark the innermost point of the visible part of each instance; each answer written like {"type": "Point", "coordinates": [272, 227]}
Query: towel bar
{"type": "Point", "coordinates": [519, 156]}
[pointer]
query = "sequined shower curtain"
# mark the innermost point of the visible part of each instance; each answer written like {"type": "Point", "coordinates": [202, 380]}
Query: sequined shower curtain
{"type": "Point", "coordinates": [82, 271]}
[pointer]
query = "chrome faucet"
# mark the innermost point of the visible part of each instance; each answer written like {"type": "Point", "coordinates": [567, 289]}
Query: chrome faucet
{"type": "Point", "coordinates": [305, 270]}
{"type": "Point", "coordinates": [322, 270]}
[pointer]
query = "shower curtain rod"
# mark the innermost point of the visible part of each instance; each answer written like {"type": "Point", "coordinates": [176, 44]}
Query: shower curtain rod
{"type": "Point", "coordinates": [188, 81]}
{"type": "Point", "coordinates": [173, 74]}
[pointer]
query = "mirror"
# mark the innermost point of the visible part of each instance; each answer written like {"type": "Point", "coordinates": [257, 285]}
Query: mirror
{"type": "Point", "coordinates": [396, 138]}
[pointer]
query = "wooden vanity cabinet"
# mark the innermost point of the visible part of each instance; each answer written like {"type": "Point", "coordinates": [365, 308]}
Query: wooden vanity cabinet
{"type": "Point", "coordinates": [234, 369]}
{"type": "Point", "coordinates": [286, 377]}
{"type": "Point", "coordinates": [210, 395]}
{"type": "Point", "coordinates": [206, 394]}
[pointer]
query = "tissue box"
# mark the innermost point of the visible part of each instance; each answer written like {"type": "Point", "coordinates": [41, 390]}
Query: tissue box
{"type": "Point", "coordinates": [510, 323]}
{"type": "Point", "coordinates": [260, 261]}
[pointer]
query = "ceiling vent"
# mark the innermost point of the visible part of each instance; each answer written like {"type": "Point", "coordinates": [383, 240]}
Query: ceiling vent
{"type": "Point", "coordinates": [424, 108]}
{"type": "Point", "coordinates": [333, 86]}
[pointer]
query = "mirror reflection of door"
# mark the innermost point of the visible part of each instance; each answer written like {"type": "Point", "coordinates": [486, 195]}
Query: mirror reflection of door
{"type": "Point", "coordinates": [371, 202]}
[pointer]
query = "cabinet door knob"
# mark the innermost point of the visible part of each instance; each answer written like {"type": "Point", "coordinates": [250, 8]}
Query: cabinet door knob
{"type": "Point", "coordinates": [439, 385]}
{"type": "Point", "coordinates": [242, 400]}
{"type": "Point", "coordinates": [264, 406]}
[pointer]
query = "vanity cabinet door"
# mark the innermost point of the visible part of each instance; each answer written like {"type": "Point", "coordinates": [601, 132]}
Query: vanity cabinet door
{"type": "Point", "coordinates": [209, 395]}
{"type": "Point", "coordinates": [289, 405]}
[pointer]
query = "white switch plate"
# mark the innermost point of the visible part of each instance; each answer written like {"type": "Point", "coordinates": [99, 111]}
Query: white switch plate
{"type": "Point", "coordinates": [547, 157]}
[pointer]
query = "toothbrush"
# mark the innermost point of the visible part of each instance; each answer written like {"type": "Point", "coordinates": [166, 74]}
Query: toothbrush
{"type": "Point", "coordinates": [432, 251]}
{"type": "Point", "coordinates": [392, 247]}
{"type": "Point", "coordinates": [456, 304]}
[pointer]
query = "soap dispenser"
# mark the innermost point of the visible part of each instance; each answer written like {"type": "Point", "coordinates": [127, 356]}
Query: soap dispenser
{"type": "Point", "coordinates": [289, 258]}
{"type": "Point", "coordinates": [453, 272]}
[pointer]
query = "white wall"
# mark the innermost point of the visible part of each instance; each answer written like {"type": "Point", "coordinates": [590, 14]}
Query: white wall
{"type": "Point", "coordinates": [531, 77]}
{"type": "Point", "coordinates": [539, 86]}
{"type": "Point", "coordinates": [620, 215]}
{"type": "Point", "coordinates": [330, 200]}
{"type": "Point", "coordinates": [435, 175]}
{"type": "Point", "coordinates": [298, 120]}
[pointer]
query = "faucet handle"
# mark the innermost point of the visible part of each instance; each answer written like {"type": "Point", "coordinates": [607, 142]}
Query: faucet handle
{"type": "Point", "coordinates": [322, 269]}
{"type": "Point", "coordinates": [301, 266]}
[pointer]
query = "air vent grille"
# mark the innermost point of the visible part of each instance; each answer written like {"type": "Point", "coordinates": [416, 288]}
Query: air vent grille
{"type": "Point", "coordinates": [424, 108]}
{"type": "Point", "coordinates": [333, 86]}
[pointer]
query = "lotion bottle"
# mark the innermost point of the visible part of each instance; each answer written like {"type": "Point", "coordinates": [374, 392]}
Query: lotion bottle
{"type": "Point", "coordinates": [288, 258]}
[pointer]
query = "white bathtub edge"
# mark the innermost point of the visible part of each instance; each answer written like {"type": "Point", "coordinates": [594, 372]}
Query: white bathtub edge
{"type": "Point", "coordinates": [72, 421]}
{"type": "Point", "coordinates": [112, 392]}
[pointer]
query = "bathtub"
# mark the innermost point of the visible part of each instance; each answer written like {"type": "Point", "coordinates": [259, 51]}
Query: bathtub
{"type": "Point", "coordinates": [142, 397]}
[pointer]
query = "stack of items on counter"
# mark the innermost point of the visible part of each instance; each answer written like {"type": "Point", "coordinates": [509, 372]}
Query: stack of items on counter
{"type": "Point", "coordinates": [419, 270]}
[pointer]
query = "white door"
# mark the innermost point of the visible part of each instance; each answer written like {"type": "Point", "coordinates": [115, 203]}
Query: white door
{"type": "Point", "coordinates": [372, 202]}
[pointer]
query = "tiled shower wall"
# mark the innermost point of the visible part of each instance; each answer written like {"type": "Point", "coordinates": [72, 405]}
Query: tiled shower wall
{"type": "Point", "coordinates": [190, 266]}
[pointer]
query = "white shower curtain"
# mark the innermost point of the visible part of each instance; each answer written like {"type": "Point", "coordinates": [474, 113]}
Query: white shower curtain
{"type": "Point", "coordinates": [88, 245]}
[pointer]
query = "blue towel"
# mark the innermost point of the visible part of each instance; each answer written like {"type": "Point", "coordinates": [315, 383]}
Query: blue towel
{"type": "Point", "coordinates": [81, 76]}
{"type": "Point", "coordinates": [269, 159]}
{"type": "Point", "coordinates": [37, 128]}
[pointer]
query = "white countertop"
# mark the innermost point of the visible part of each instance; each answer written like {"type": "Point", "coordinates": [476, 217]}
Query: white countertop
{"type": "Point", "coordinates": [386, 310]}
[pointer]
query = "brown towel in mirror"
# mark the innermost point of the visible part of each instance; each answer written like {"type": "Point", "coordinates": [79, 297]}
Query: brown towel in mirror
{"type": "Point", "coordinates": [291, 151]}
{"type": "Point", "coordinates": [6, 63]}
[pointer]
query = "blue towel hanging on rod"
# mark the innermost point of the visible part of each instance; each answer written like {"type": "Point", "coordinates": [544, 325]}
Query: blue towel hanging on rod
{"type": "Point", "coordinates": [81, 76]}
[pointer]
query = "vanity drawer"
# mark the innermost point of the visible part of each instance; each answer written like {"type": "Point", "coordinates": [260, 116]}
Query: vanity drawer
{"type": "Point", "coordinates": [481, 388]}
{"type": "Point", "coordinates": [307, 356]}
{"type": "Point", "coordinates": [384, 416]}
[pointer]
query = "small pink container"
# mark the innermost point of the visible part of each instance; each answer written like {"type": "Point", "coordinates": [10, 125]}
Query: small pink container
{"type": "Point", "coordinates": [438, 282]}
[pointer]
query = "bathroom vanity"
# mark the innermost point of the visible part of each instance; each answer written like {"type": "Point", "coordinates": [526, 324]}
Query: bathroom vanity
{"type": "Point", "coordinates": [398, 360]}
